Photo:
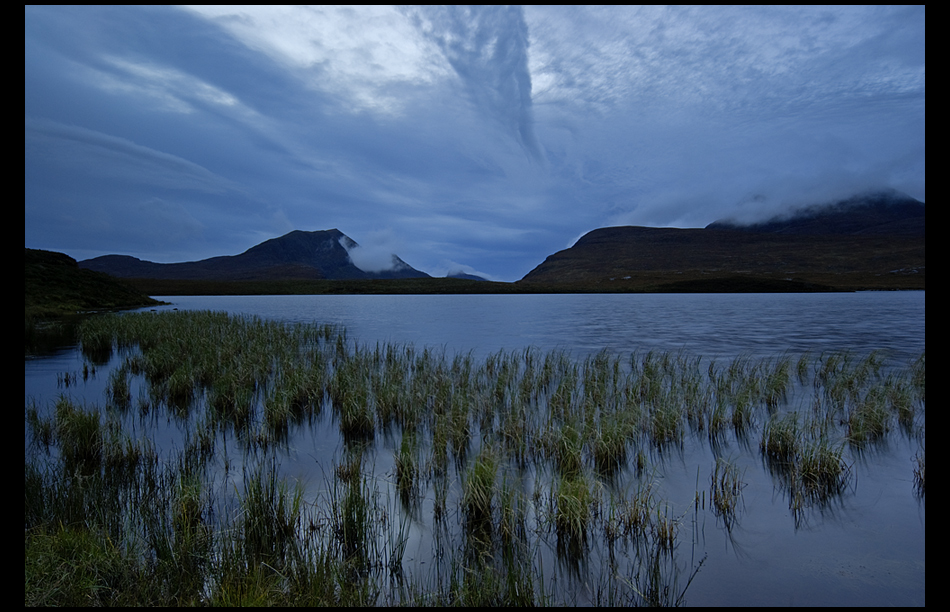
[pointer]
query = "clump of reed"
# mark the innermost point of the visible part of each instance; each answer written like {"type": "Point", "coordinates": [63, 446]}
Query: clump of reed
{"type": "Point", "coordinates": [270, 517]}
{"type": "Point", "coordinates": [637, 514]}
{"type": "Point", "coordinates": [609, 446]}
{"type": "Point", "coordinates": [564, 445]}
{"type": "Point", "coordinates": [406, 468]}
{"type": "Point", "coordinates": [575, 498]}
{"type": "Point", "coordinates": [725, 490]}
{"type": "Point", "coordinates": [822, 470]}
{"type": "Point", "coordinates": [80, 438]}
{"type": "Point", "coordinates": [809, 465]}
{"type": "Point", "coordinates": [868, 419]}
{"type": "Point", "coordinates": [781, 438]}
{"type": "Point", "coordinates": [479, 486]}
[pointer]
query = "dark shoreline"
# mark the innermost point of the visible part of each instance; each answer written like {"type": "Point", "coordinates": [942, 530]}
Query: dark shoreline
{"type": "Point", "coordinates": [647, 283]}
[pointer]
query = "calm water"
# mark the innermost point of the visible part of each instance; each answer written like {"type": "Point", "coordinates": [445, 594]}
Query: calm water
{"type": "Point", "coordinates": [868, 549]}
{"type": "Point", "coordinates": [712, 325]}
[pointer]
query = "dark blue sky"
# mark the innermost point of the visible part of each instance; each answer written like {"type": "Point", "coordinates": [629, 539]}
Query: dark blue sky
{"type": "Point", "coordinates": [473, 139]}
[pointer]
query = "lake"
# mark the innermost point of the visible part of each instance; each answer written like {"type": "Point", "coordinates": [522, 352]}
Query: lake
{"type": "Point", "coordinates": [712, 325]}
{"type": "Point", "coordinates": [865, 548]}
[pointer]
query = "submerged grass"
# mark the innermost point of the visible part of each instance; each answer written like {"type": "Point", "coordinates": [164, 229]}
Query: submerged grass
{"type": "Point", "coordinates": [549, 453]}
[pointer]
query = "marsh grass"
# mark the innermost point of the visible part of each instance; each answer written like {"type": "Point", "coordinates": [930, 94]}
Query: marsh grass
{"type": "Point", "coordinates": [270, 517]}
{"type": "Point", "coordinates": [544, 447]}
{"type": "Point", "coordinates": [725, 490]}
{"type": "Point", "coordinates": [479, 487]}
{"type": "Point", "coordinates": [406, 469]}
{"type": "Point", "coordinates": [808, 464]}
{"type": "Point", "coordinates": [575, 498]}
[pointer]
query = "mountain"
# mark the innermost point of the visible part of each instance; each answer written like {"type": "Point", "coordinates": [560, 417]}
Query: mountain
{"type": "Point", "coordinates": [874, 241]}
{"type": "Point", "coordinates": [888, 213]}
{"type": "Point", "coordinates": [298, 255]}
{"type": "Point", "coordinates": [55, 285]}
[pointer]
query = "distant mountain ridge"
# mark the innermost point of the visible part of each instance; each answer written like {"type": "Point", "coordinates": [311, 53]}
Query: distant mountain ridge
{"type": "Point", "coordinates": [297, 255]}
{"type": "Point", "coordinates": [875, 240]}
{"type": "Point", "coordinates": [880, 213]}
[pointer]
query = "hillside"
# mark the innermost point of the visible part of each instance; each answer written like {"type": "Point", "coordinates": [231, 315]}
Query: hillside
{"type": "Point", "coordinates": [885, 213]}
{"type": "Point", "coordinates": [298, 255]}
{"type": "Point", "coordinates": [874, 243]}
{"type": "Point", "coordinates": [55, 285]}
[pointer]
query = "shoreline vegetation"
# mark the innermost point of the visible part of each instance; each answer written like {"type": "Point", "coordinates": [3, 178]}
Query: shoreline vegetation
{"type": "Point", "coordinates": [675, 282]}
{"type": "Point", "coordinates": [532, 472]}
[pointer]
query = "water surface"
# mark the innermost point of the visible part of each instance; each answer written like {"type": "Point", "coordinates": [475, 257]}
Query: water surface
{"type": "Point", "coordinates": [867, 548]}
{"type": "Point", "coordinates": [713, 325]}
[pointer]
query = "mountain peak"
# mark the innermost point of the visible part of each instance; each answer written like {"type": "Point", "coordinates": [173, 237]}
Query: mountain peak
{"type": "Point", "coordinates": [299, 254]}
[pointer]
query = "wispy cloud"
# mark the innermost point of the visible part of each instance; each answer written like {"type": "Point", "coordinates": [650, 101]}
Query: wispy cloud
{"type": "Point", "coordinates": [117, 159]}
{"type": "Point", "coordinates": [486, 137]}
{"type": "Point", "coordinates": [487, 48]}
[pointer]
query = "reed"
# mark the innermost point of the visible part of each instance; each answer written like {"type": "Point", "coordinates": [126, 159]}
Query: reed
{"type": "Point", "coordinates": [270, 516]}
{"type": "Point", "coordinates": [809, 465]}
{"type": "Point", "coordinates": [610, 442]}
{"type": "Point", "coordinates": [823, 472]}
{"type": "Point", "coordinates": [118, 390]}
{"type": "Point", "coordinates": [512, 527]}
{"type": "Point", "coordinates": [550, 434]}
{"type": "Point", "coordinates": [801, 368]}
{"type": "Point", "coordinates": [353, 522]}
{"type": "Point", "coordinates": [918, 375]}
{"type": "Point", "coordinates": [77, 567]}
{"type": "Point", "coordinates": [406, 468]}
{"type": "Point", "coordinates": [575, 500]}
{"type": "Point", "coordinates": [664, 529]}
{"type": "Point", "coordinates": [781, 438]}
{"type": "Point", "coordinates": [869, 419]}
{"type": "Point", "coordinates": [565, 446]}
{"type": "Point", "coordinates": [665, 422]}
{"type": "Point", "coordinates": [635, 512]}
{"type": "Point", "coordinates": [777, 382]}
{"type": "Point", "coordinates": [725, 490]}
{"type": "Point", "coordinates": [656, 581]}
{"type": "Point", "coordinates": [479, 486]}
{"type": "Point", "coordinates": [900, 397]}
{"type": "Point", "coordinates": [79, 436]}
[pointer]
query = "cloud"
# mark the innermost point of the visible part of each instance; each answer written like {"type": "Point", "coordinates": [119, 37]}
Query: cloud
{"type": "Point", "coordinates": [449, 268]}
{"type": "Point", "coordinates": [376, 254]}
{"type": "Point", "coordinates": [116, 159]}
{"type": "Point", "coordinates": [487, 48]}
{"type": "Point", "coordinates": [488, 137]}
{"type": "Point", "coordinates": [364, 56]}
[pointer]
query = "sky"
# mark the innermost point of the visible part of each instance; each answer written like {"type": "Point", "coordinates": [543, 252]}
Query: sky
{"type": "Point", "coordinates": [478, 139]}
